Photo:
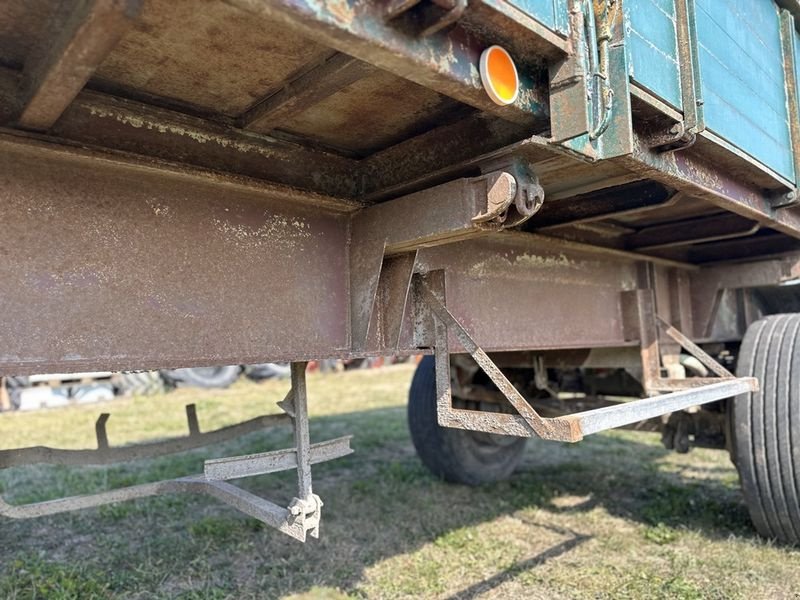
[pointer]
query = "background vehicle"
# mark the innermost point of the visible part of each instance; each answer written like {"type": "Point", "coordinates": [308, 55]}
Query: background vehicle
{"type": "Point", "coordinates": [613, 189]}
{"type": "Point", "coordinates": [59, 389]}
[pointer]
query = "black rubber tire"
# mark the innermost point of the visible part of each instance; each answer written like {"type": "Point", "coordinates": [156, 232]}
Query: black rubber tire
{"type": "Point", "coordinates": [456, 455]}
{"type": "Point", "coordinates": [15, 385]}
{"type": "Point", "coordinates": [262, 371]}
{"type": "Point", "coordinates": [139, 383]}
{"type": "Point", "coordinates": [204, 377]}
{"type": "Point", "coordinates": [765, 427]}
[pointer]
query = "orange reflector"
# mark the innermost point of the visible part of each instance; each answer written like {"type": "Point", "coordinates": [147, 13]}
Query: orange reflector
{"type": "Point", "coordinates": [499, 75]}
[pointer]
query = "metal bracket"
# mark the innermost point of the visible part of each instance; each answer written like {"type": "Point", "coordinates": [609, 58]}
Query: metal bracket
{"type": "Point", "coordinates": [648, 323]}
{"type": "Point", "coordinates": [590, 88]}
{"type": "Point", "coordinates": [528, 422]}
{"type": "Point", "coordinates": [678, 138]}
{"type": "Point", "coordinates": [513, 193]}
{"type": "Point", "coordinates": [299, 519]}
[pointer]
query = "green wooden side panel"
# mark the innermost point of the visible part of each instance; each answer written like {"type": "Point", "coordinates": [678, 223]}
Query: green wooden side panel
{"type": "Point", "coordinates": [653, 48]}
{"type": "Point", "coordinates": [742, 78]}
{"type": "Point", "coordinates": [550, 13]}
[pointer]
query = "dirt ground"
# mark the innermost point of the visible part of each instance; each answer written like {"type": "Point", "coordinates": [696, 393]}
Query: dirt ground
{"type": "Point", "coordinates": [615, 516]}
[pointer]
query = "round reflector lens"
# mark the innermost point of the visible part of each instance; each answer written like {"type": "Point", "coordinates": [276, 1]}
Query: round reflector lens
{"type": "Point", "coordinates": [499, 75]}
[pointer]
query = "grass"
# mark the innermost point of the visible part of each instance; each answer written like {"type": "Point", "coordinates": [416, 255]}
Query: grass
{"type": "Point", "coordinates": [615, 516]}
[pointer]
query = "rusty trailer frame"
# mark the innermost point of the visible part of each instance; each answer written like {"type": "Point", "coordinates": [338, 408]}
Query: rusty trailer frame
{"type": "Point", "coordinates": [291, 180]}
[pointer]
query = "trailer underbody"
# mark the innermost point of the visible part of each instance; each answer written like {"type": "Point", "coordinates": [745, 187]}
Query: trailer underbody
{"type": "Point", "coordinates": [296, 180]}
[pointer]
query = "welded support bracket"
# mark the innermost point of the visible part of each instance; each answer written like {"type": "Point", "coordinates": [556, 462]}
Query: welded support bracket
{"type": "Point", "coordinates": [590, 89]}
{"type": "Point", "coordinates": [385, 236]}
{"type": "Point", "coordinates": [429, 291]}
{"type": "Point", "coordinates": [648, 325]}
{"type": "Point", "coordinates": [298, 520]}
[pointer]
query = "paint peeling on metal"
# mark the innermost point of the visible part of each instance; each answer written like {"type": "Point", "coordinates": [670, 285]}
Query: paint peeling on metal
{"type": "Point", "coordinates": [141, 122]}
{"type": "Point", "coordinates": [277, 231]}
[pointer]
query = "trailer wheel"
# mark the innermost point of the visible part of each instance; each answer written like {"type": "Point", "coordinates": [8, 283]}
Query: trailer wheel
{"type": "Point", "coordinates": [204, 377]}
{"type": "Point", "coordinates": [139, 383]}
{"type": "Point", "coordinates": [765, 427]}
{"type": "Point", "coordinates": [456, 455]}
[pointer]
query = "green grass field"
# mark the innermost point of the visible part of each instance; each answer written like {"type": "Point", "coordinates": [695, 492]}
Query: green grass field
{"type": "Point", "coordinates": [615, 516]}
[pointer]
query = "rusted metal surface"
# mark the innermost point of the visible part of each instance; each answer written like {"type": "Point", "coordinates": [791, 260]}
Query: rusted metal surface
{"type": "Point", "coordinates": [694, 350]}
{"type": "Point", "coordinates": [302, 439]}
{"type": "Point", "coordinates": [439, 215]}
{"type": "Point", "coordinates": [137, 267]}
{"type": "Point", "coordinates": [445, 62]}
{"type": "Point", "coordinates": [689, 66]}
{"type": "Point", "coordinates": [259, 508]}
{"type": "Point", "coordinates": [707, 229]}
{"type": "Point", "coordinates": [212, 233]}
{"type": "Point", "coordinates": [633, 198]}
{"type": "Point", "coordinates": [642, 302]}
{"type": "Point", "coordinates": [790, 71]}
{"type": "Point", "coordinates": [698, 177]}
{"type": "Point", "coordinates": [101, 120]}
{"type": "Point", "coordinates": [308, 89]}
{"type": "Point", "coordinates": [544, 428]}
{"type": "Point", "coordinates": [432, 16]}
{"type": "Point", "coordinates": [209, 57]}
{"type": "Point", "coordinates": [235, 467]}
{"type": "Point", "coordinates": [389, 325]}
{"type": "Point", "coordinates": [109, 122]}
{"type": "Point", "coordinates": [81, 34]}
{"type": "Point", "coordinates": [601, 419]}
{"type": "Point", "coordinates": [569, 84]}
{"type": "Point", "coordinates": [446, 151]}
{"type": "Point", "coordinates": [570, 428]}
{"type": "Point", "coordinates": [708, 285]}
{"type": "Point", "coordinates": [356, 119]}
{"type": "Point", "coordinates": [575, 290]}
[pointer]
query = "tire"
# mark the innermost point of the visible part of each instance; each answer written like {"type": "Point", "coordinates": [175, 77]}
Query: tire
{"type": "Point", "coordinates": [139, 383]}
{"type": "Point", "coordinates": [765, 427]}
{"type": "Point", "coordinates": [14, 386]}
{"type": "Point", "coordinates": [456, 455]}
{"type": "Point", "coordinates": [262, 371]}
{"type": "Point", "coordinates": [203, 377]}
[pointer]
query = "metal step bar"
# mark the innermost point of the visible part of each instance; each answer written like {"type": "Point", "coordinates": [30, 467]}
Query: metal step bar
{"type": "Point", "coordinates": [528, 423]}
{"type": "Point", "coordinates": [299, 519]}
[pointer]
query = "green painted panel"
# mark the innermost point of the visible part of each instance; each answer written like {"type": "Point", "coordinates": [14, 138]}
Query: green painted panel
{"type": "Point", "coordinates": [653, 48]}
{"type": "Point", "coordinates": [742, 79]}
{"type": "Point", "coordinates": [550, 13]}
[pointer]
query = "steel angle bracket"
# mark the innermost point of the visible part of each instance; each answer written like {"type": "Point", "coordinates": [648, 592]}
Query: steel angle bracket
{"type": "Point", "coordinates": [299, 519]}
{"type": "Point", "coordinates": [527, 422]}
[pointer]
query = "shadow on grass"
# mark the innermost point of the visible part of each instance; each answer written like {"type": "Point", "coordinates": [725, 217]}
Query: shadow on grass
{"type": "Point", "coordinates": [379, 503]}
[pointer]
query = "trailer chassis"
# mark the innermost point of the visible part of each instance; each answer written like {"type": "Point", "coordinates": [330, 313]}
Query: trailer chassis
{"type": "Point", "coordinates": [408, 275]}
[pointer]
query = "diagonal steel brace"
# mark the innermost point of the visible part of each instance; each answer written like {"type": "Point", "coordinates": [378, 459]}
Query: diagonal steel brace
{"type": "Point", "coordinates": [528, 422]}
